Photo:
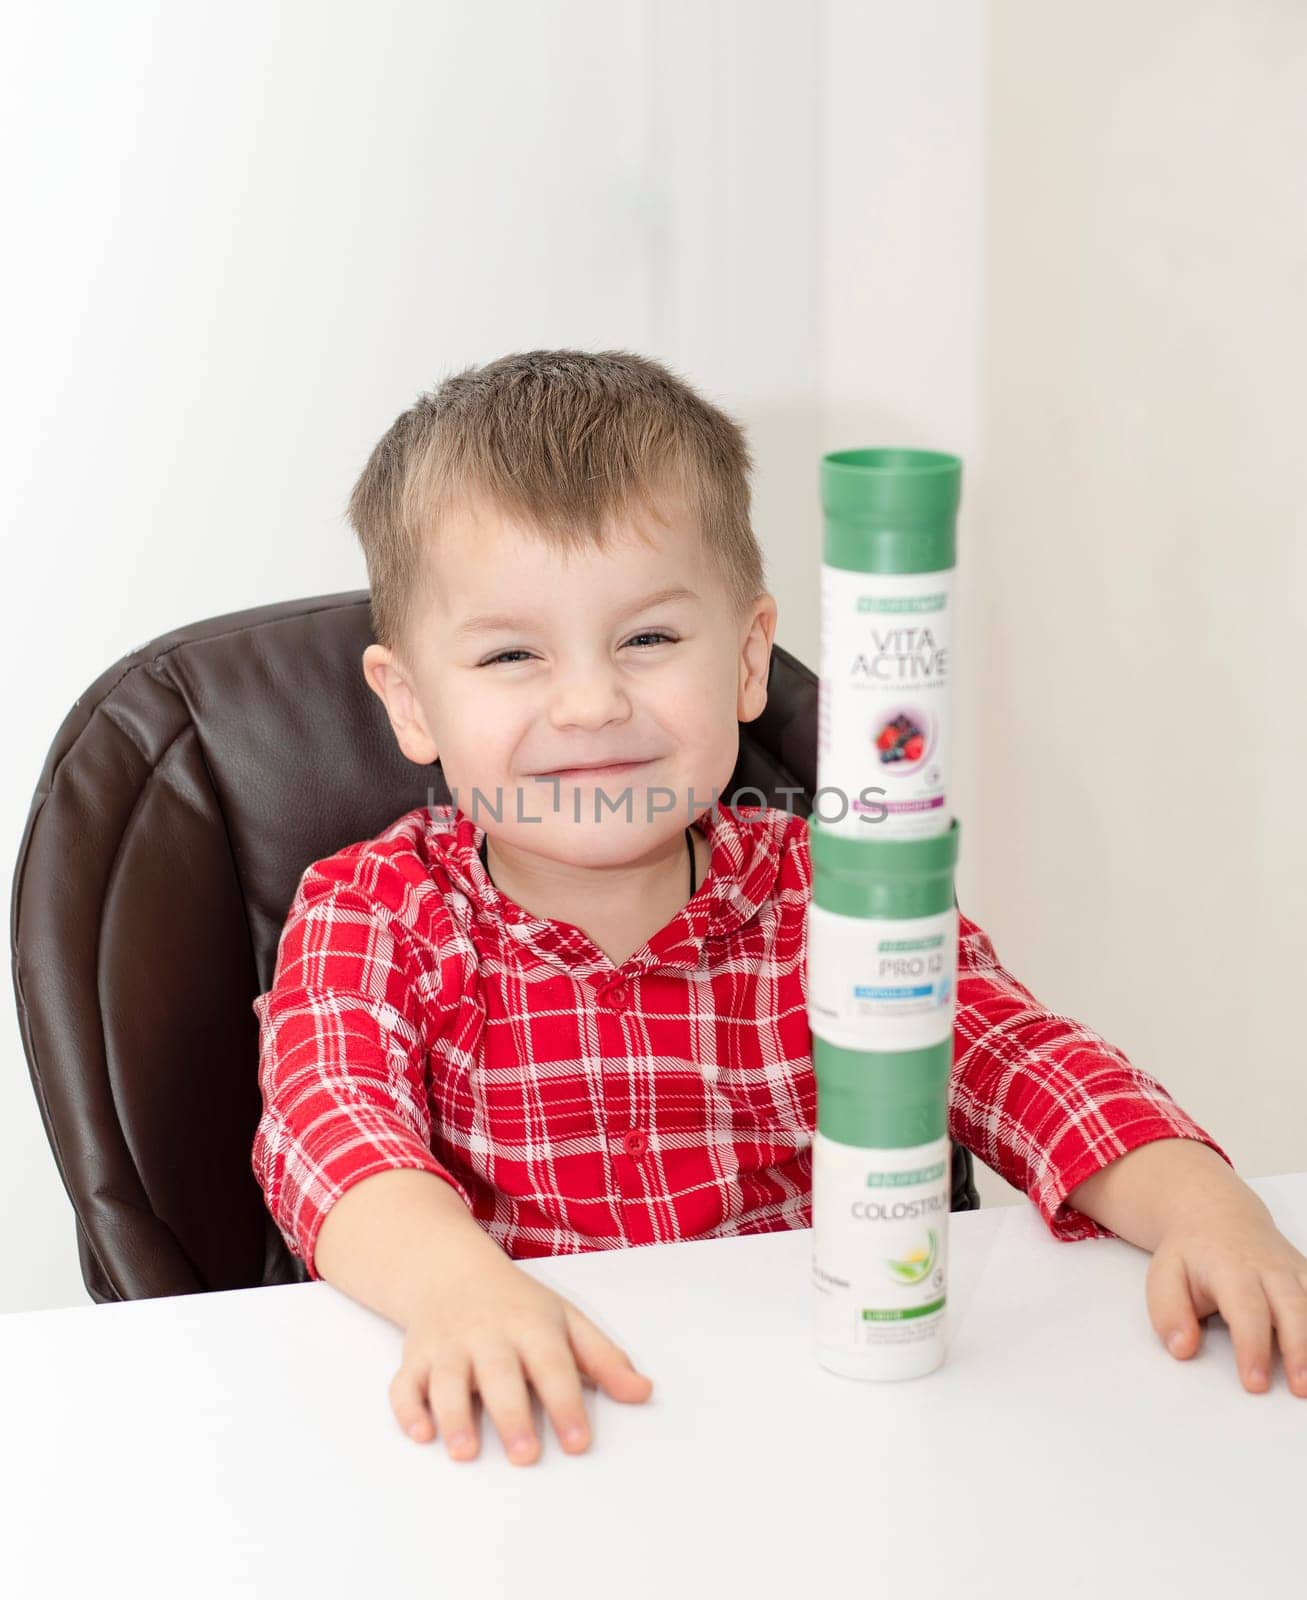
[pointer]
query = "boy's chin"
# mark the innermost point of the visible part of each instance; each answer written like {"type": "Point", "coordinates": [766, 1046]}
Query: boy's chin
{"type": "Point", "coordinates": [629, 797]}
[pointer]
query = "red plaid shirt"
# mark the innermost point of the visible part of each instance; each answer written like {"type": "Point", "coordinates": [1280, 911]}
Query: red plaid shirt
{"type": "Point", "coordinates": [420, 1018]}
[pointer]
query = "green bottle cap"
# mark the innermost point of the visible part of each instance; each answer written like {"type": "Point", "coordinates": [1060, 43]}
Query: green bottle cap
{"type": "Point", "coordinates": [877, 877]}
{"type": "Point", "coordinates": [882, 1098]}
{"type": "Point", "coordinates": [890, 510]}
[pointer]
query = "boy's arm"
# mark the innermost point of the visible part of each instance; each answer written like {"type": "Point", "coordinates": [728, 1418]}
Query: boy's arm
{"type": "Point", "coordinates": [397, 1241]}
{"type": "Point", "coordinates": [1042, 1099]}
{"type": "Point", "coordinates": [1146, 1192]}
{"type": "Point", "coordinates": [342, 1063]}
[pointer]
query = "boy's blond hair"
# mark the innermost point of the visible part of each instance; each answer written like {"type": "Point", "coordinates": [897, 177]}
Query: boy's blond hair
{"type": "Point", "coordinates": [562, 440]}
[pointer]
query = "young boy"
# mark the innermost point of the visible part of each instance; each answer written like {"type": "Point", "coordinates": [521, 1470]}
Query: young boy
{"type": "Point", "coordinates": [568, 1011]}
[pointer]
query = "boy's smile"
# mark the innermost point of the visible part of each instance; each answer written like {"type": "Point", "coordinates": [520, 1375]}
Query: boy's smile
{"type": "Point", "coordinates": [584, 705]}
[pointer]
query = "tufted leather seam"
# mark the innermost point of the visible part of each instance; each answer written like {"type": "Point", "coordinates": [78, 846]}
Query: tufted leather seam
{"type": "Point", "coordinates": [110, 883]}
{"type": "Point", "coordinates": [151, 662]}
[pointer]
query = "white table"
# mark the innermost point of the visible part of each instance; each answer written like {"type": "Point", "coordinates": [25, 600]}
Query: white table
{"type": "Point", "coordinates": [243, 1444]}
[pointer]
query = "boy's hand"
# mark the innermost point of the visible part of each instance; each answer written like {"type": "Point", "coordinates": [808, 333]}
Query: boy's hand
{"type": "Point", "coordinates": [1232, 1258]}
{"type": "Point", "coordinates": [495, 1328]}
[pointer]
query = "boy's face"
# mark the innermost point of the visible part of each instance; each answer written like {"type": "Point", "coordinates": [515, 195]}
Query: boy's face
{"type": "Point", "coordinates": [525, 660]}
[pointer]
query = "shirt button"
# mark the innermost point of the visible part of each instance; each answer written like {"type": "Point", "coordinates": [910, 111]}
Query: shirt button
{"type": "Point", "coordinates": [635, 1144]}
{"type": "Point", "coordinates": [617, 994]}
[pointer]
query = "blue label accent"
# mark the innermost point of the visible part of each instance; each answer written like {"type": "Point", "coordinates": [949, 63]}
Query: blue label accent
{"type": "Point", "coordinates": [866, 991]}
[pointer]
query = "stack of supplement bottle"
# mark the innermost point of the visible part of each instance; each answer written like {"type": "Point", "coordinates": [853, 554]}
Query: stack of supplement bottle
{"type": "Point", "coordinates": [882, 923]}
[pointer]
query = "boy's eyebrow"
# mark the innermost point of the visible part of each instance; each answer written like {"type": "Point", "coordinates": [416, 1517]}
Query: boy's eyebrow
{"type": "Point", "coordinates": [491, 620]}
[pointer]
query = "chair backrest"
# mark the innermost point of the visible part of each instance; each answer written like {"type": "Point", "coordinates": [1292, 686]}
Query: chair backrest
{"type": "Point", "coordinates": [180, 801]}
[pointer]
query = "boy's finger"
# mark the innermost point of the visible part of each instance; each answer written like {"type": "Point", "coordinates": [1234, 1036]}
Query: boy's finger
{"type": "Point", "coordinates": [502, 1383]}
{"type": "Point", "coordinates": [1288, 1302]}
{"type": "Point", "coordinates": [597, 1355]}
{"type": "Point", "coordinates": [449, 1398]}
{"type": "Point", "coordinates": [409, 1404]}
{"type": "Point", "coordinates": [553, 1374]}
{"type": "Point", "coordinates": [1170, 1305]}
{"type": "Point", "coordinates": [1242, 1302]}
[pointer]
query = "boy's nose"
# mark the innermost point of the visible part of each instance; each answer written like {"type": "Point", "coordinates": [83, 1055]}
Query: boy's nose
{"type": "Point", "coordinates": [588, 700]}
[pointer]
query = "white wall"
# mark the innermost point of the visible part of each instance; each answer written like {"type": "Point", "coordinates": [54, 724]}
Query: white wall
{"type": "Point", "coordinates": [1144, 586]}
{"type": "Point", "coordinates": [249, 234]}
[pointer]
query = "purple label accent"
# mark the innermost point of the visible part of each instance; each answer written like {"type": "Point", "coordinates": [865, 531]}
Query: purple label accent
{"type": "Point", "coordinates": [892, 806]}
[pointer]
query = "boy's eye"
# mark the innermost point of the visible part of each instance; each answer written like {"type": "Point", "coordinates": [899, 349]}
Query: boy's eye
{"type": "Point", "coordinates": [505, 654]}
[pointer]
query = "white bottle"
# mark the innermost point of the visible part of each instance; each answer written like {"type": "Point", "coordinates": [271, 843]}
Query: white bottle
{"type": "Point", "coordinates": [880, 1211]}
{"type": "Point", "coordinates": [882, 939]}
{"type": "Point", "coordinates": [883, 725]}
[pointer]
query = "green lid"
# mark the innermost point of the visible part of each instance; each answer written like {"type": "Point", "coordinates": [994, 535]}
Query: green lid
{"type": "Point", "coordinates": [877, 877]}
{"type": "Point", "coordinates": [890, 510]}
{"type": "Point", "coordinates": [886, 1098]}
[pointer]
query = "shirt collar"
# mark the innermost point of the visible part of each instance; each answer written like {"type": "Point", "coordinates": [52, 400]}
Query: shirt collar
{"type": "Point", "coordinates": [741, 877]}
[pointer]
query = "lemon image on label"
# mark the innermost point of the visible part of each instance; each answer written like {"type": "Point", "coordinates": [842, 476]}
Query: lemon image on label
{"type": "Point", "coordinates": [918, 1263]}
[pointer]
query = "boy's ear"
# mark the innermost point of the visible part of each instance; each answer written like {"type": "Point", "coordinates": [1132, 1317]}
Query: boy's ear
{"type": "Point", "coordinates": [755, 659]}
{"type": "Point", "coordinates": [389, 681]}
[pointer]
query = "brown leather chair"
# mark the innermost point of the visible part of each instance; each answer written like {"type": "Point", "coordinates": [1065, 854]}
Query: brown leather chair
{"type": "Point", "coordinates": [185, 793]}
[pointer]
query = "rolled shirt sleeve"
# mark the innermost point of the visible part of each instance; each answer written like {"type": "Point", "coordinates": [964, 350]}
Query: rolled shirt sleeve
{"type": "Point", "coordinates": [343, 1059]}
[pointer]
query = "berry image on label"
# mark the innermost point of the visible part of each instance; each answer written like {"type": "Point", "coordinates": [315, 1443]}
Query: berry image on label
{"type": "Point", "coordinates": [900, 740]}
